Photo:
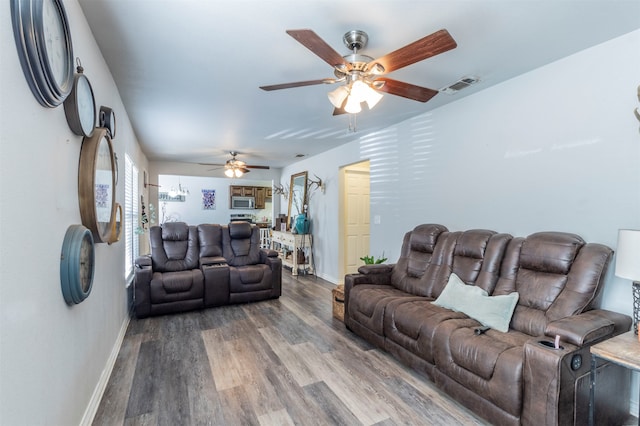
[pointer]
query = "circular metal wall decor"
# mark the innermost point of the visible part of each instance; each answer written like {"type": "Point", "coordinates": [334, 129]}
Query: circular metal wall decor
{"type": "Point", "coordinates": [77, 264]}
{"type": "Point", "coordinates": [80, 105]}
{"type": "Point", "coordinates": [43, 40]}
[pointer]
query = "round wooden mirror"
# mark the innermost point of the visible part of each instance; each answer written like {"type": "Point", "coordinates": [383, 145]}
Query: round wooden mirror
{"type": "Point", "coordinates": [97, 185]}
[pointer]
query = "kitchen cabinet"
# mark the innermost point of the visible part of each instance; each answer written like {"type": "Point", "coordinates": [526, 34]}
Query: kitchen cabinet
{"type": "Point", "coordinates": [269, 192]}
{"type": "Point", "coordinates": [260, 194]}
{"type": "Point", "coordinates": [242, 191]}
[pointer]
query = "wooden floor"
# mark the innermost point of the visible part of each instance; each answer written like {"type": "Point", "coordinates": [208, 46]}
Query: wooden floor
{"type": "Point", "coordinates": [278, 362]}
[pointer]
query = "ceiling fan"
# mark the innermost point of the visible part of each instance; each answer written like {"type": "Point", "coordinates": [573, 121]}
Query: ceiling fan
{"type": "Point", "coordinates": [234, 167]}
{"type": "Point", "coordinates": [363, 75]}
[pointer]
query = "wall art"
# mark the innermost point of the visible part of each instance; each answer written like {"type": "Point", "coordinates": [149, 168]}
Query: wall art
{"type": "Point", "coordinates": [208, 199]}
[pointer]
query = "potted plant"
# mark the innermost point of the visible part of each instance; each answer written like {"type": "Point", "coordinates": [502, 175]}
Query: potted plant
{"type": "Point", "coordinates": [370, 260]}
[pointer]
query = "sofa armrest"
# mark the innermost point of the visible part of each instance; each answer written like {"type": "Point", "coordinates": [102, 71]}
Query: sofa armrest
{"type": "Point", "coordinates": [143, 261]}
{"type": "Point", "coordinates": [381, 268]}
{"type": "Point", "coordinates": [266, 254]}
{"type": "Point", "coordinates": [589, 327]}
{"type": "Point", "coordinates": [369, 274]}
{"type": "Point", "coordinates": [143, 273]}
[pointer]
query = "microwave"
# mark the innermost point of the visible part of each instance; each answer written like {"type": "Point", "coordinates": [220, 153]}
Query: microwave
{"type": "Point", "coordinates": [243, 202]}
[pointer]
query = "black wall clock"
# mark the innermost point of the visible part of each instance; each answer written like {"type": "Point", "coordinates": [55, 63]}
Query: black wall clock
{"type": "Point", "coordinates": [97, 185]}
{"type": "Point", "coordinates": [107, 120]}
{"type": "Point", "coordinates": [77, 264]}
{"type": "Point", "coordinates": [43, 40]}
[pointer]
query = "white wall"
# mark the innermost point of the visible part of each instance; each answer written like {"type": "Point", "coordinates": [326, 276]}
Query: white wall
{"type": "Point", "coordinates": [52, 356]}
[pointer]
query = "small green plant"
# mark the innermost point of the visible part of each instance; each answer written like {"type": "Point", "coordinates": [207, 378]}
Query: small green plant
{"type": "Point", "coordinates": [370, 260]}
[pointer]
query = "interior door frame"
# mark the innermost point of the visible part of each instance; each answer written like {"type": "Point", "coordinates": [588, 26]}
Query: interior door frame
{"type": "Point", "coordinates": [342, 213]}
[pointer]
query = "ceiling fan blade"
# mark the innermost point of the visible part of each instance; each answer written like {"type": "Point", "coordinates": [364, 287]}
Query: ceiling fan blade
{"type": "Point", "coordinates": [211, 164]}
{"type": "Point", "coordinates": [248, 166]}
{"type": "Point", "coordinates": [290, 85]}
{"type": "Point", "coordinates": [406, 90]}
{"type": "Point", "coordinates": [426, 47]}
{"type": "Point", "coordinates": [314, 43]}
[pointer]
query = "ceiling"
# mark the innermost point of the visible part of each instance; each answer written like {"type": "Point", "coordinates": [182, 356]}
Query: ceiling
{"type": "Point", "coordinates": [189, 71]}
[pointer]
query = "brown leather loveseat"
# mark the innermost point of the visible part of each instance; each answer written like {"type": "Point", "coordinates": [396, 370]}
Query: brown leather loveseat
{"type": "Point", "coordinates": [542, 286]}
{"type": "Point", "coordinates": [194, 267]}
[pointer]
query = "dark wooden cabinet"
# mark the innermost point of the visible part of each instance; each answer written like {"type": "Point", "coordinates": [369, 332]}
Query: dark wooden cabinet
{"type": "Point", "coordinates": [242, 191]}
{"type": "Point", "coordinates": [261, 193]}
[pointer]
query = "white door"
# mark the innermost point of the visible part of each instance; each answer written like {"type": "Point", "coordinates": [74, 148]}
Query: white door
{"type": "Point", "coordinates": [356, 216]}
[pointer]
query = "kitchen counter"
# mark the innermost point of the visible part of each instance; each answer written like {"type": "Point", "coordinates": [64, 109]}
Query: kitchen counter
{"type": "Point", "coordinates": [263, 224]}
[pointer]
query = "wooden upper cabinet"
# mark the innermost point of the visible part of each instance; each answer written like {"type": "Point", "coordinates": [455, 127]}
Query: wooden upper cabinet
{"type": "Point", "coordinates": [242, 191]}
{"type": "Point", "coordinates": [261, 193]}
{"type": "Point", "coordinates": [269, 192]}
{"type": "Point", "coordinates": [236, 191]}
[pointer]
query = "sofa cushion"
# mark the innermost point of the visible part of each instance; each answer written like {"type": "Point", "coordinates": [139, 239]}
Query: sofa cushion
{"type": "Point", "coordinates": [490, 364]}
{"type": "Point", "coordinates": [556, 274]}
{"type": "Point", "coordinates": [249, 278]}
{"type": "Point", "coordinates": [492, 311]}
{"type": "Point", "coordinates": [176, 286]}
{"type": "Point", "coordinates": [412, 322]}
{"type": "Point", "coordinates": [210, 237]}
{"type": "Point", "coordinates": [425, 260]}
{"type": "Point", "coordinates": [241, 244]}
{"type": "Point", "coordinates": [367, 303]}
{"type": "Point", "coordinates": [174, 247]}
{"type": "Point", "coordinates": [175, 231]}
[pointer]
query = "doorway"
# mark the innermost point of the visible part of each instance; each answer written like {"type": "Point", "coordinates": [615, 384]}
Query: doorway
{"type": "Point", "coordinates": [355, 230]}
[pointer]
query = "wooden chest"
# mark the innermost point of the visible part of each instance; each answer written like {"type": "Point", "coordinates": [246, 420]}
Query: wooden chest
{"type": "Point", "coordinates": [338, 302]}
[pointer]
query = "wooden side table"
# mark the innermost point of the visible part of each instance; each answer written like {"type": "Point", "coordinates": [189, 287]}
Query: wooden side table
{"type": "Point", "coordinates": [624, 350]}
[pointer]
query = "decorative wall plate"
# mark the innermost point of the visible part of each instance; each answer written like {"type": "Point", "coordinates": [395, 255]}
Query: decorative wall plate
{"type": "Point", "coordinates": [43, 40]}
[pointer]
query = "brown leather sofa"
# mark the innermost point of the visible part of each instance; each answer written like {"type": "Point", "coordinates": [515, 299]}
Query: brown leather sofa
{"type": "Point", "coordinates": [508, 377]}
{"type": "Point", "coordinates": [194, 267]}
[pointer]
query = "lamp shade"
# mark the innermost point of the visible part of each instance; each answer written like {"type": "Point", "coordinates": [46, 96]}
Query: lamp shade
{"type": "Point", "coordinates": [338, 96]}
{"type": "Point", "coordinates": [628, 254]}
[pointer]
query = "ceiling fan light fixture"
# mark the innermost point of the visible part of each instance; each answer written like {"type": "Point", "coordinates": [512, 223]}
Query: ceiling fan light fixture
{"type": "Point", "coordinates": [362, 92]}
{"type": "Point", "coordinates": [372, 97]}
{"type": "Point", "coordinates": [353, 105]}
{"type": "Point", "coordinates": [337, 96]}
{"type": "Point", "coordinates": [229, 173]}
{"type": "Point", "coordinates": [238, 173]}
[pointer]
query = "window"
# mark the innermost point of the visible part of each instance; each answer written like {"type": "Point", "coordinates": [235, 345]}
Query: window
{"type": "Point", "coordinates": [130, 215]}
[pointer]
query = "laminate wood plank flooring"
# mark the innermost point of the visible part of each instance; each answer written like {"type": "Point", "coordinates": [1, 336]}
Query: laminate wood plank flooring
{"type": "Point", "coordinates": [276, 362]}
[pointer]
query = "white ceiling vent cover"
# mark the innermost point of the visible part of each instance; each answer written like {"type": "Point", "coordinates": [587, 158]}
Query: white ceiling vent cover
{"type": "Point", "coordinates": [459, 85]}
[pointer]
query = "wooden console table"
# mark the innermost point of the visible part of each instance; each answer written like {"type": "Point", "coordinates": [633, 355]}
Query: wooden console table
{"type": "Point", "coordinates": [624, 350]}
{"type": "Point", "coordinates": [288, 244]}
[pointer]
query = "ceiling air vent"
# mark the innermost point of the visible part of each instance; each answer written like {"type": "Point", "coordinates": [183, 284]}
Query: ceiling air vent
{"type": "Point", "coordinates": [459, 85]}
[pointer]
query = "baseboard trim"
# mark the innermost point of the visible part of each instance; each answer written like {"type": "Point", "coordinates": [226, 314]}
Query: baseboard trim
{"type": "Point", "coordinates": [98, 392]}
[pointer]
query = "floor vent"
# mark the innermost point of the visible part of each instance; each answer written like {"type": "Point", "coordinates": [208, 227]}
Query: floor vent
{"type": "Point", "coordinates": [459, 85]}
